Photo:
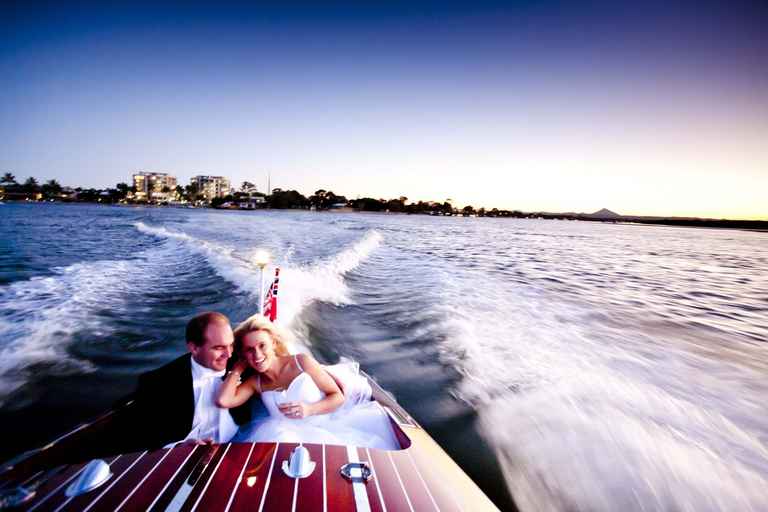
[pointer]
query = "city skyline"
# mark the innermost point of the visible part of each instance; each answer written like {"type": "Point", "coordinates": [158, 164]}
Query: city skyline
{"type": "Point", "coordinates": [645, 110]}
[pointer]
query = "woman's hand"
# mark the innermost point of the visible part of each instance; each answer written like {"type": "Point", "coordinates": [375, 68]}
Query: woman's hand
{"type": "Point", "coordinates": [240, 366]}
{"type": "Point", "coordinates": [295, 410]}
{"type": "Point", "coordinates": [233, 392]}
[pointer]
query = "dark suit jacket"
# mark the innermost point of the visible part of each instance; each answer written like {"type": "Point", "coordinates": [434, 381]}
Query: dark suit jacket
{"type": "Point", "coordinates": [164, 405]}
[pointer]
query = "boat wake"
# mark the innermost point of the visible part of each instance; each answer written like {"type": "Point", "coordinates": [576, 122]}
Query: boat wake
{"type": "Point", "coordinates": [41, 317]}
{"type": "Point", "coordinates": [587, 413]}
{"type": "Point", "coordinates": [300, 284]}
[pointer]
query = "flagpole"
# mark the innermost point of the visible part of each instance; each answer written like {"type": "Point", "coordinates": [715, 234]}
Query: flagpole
{"type": "Point", "coordinates": [261, 259]}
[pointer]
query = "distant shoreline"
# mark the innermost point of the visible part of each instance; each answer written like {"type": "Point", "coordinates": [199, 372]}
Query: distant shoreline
{"type": "Point", "coordinates": [760, 226]}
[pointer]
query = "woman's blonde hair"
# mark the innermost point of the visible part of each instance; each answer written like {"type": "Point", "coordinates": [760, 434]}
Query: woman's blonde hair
{"type": "Point", "coordinates": [259, 322]}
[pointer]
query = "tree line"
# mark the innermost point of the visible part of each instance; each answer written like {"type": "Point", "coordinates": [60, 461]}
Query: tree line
{"type": "Point", "coordinates": [322, 199]}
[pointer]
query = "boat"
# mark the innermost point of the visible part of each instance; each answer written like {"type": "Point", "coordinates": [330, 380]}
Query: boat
{"type": "Point", "coordinates": [87, 469]}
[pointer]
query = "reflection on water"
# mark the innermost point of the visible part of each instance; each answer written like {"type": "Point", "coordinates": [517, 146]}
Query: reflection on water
{"type": "Point", "coordinates": [581, 366]}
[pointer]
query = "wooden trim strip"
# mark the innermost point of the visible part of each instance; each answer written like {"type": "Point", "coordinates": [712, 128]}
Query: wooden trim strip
{"type": "Point", "coordinates": [30, 478]}
{"type": "Point", "coordinates": [280, 495]}
{"type": "Point", "coordinates": [188, 487]}
{"type": "Point", "coordinates": [269, 478]}
{"type": "Point", "coordinates": [173, 477]}
{"type": "Point", "coordinates": [128, 482]}
{"type": "Point", "coordinates": [421, 479]}
{"type": "Point", "coordinates": [66, 502]}
{"type": "Point", "coordinates": [221, 482]}
{"type": "Point", "coordinates": [239, 478]}
{"type": "Point", "coordinates": [143, 480]}
{"type": "Point", "coordinates": [376, 480]}
{"type": "Point", "coordinates": [374, 498]}
{"type": "Point", "coordinates": [295, 491]}
{"type": "Point", "coordinates": [442, 489]}
{"type": "Point", "coordinates": [358, 488]}
{"type": "Point", "coordinates": [215, 469]}
{"type": "Point", "coordinates": [325, 485]}
{"type": "Point", "coordinates": [249, 491]}
{"type": "Point", "coordinates": [397, 474]}
{"type": "Point", "coordinates": [114, 481]}
{"type": "Point", "coordinates": [81, 498]}
{"type": "Point", "coordinates": [341, 497]}
{"type": "Point", "coordinates": [310, 489]}
{"type": "Point", "coordinates": [149, 490]}
{"type": "Point", "coordinates": [387, 480]}
{"type": "Point", "coordinates": [57, 489]}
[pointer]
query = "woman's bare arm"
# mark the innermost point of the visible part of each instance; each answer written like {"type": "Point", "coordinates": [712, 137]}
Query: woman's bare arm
{"type": "Point", "coordinates": [333, 396]}
{"type": "Point", "coordinates": [232, 392]}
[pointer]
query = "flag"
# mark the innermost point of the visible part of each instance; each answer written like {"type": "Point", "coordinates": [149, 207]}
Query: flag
{"type": "Point", "coordinates": [270, 299]}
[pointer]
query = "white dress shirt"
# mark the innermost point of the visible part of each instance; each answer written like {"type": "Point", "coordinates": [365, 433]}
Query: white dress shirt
{"type": "Point", "coordinates": [209, 421]}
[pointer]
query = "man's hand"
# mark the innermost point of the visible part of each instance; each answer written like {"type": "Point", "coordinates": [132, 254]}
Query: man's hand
{"type": "Point", "coordinates": [295, 410]}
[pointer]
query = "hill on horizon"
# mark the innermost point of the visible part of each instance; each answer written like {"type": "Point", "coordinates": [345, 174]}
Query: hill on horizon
{"type": "Point", "coordinates": [604, 213]}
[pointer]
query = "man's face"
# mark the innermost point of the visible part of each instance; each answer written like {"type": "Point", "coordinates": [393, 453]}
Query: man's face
{"type": "Point", "coordinates": [216, 349]}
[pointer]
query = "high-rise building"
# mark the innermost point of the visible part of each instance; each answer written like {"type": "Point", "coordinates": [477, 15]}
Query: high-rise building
{"type": "Point", "coordinates": [154, 186]}
{"type": "Point", "coordinates": [211, 186]}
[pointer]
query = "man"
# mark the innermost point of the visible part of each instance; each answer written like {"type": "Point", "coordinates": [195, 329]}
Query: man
{"type": "Point", "coordinates": [176, 402]}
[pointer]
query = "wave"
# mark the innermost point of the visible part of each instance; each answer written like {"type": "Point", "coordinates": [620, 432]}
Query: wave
{"type": "Point", "coordinates": [322, 281]}
{"type": "Point", "coordinates": [41, 317]}
{"type": "Point", "coordinates": [300, 285]}
{"type": "Point", "coordinates": [595, 410]}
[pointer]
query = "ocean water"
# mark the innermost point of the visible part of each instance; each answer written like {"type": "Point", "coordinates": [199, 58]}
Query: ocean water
{"type": "Point", "coordinates": [569, 365]}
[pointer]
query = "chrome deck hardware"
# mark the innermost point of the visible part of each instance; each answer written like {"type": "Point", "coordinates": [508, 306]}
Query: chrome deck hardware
{"type": "Point", "coordinates": [93, 475]}
{"type": "Point", "coordinates": [299, 465]}
{"type": "Point", "coordinates": [356, 472]}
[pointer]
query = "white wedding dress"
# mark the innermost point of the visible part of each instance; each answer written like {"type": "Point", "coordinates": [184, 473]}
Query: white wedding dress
{"type": "Point", "coordinates": [362, 424]}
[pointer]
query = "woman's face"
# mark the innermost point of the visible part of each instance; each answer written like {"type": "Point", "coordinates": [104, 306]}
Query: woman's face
{"type": "Point", "coordinates": [259, 350]}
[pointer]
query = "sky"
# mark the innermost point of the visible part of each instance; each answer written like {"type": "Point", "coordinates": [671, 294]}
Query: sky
{"type": "Point", "coordinates": [645, 109]}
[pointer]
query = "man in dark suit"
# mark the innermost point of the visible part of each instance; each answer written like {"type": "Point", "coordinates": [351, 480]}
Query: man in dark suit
{"type": "Point", "coordinates": [176, 402]}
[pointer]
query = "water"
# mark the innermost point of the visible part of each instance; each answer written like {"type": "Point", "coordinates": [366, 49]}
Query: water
{"type": "Point", "coordinates": [577, 366]}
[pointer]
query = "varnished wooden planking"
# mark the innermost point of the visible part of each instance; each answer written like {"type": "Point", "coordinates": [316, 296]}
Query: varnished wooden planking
{"type": "Point", "coordinates": [216, 496]}
{"type": "Point", "coordinates": [201, 483]}
{"type": "Point", "coordinates": [166, 496]}
{"type": "Point", "coordinates": [466, 494]}
{"type": "Point", "coordinates": [248, 493]}
{"type": "Point", "coordinates": [371, 487]}
{"type": "Point", "coordinates": [118, 468]}
{"type": "Point", "coordinates": [418, 493]}
{"type": "Point", "coordinates": [338, 489]}
{"type": "Point", "coordinates": [309, 493]}
{"type": "Point", "coordinates": [279, 496]}
{"type": "Point", "coordinates": [59, 498]}
{"type": "Point", "coordinates": [395, 499]}
{"type": "Point", "coordinates": [22, 476]}
{"type": "Point", "coordinates": [438, 486]}
{"type": "Point", "coordinates": [148, 489]}
{"type": "Point", "coordinates": [122, 488]}
{"type": "Point", "coordinates": [54, 486]}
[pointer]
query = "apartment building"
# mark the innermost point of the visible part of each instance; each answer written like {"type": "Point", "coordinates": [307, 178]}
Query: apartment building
{"type": "Point", "coordinates": [211, 186]}
{"type": "Point", "coordinates": [154, 187]}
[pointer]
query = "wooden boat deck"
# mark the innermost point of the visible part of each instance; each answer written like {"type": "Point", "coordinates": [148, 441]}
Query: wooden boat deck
{"type": "Point", "coordinates": [249, 476]}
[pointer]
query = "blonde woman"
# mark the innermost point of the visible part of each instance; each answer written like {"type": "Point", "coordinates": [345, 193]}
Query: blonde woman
{"type": "Point", "coordinates": [298, 393]}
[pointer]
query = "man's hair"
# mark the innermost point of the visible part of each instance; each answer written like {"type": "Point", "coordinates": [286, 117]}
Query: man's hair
{"type": "Point", "coordinates": [197, 326]}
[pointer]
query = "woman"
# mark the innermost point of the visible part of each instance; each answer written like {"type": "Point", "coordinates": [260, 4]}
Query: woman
{"type": "Point", "coordinates": [298, 394]}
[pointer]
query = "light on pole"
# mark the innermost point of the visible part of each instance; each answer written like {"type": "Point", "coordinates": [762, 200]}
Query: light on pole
{"type": "Point", "coordinates": [261, 259]}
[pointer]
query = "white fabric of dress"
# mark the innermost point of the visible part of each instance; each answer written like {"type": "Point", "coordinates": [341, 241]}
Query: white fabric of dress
{"type": "Point", "coordinates": [362, 424]}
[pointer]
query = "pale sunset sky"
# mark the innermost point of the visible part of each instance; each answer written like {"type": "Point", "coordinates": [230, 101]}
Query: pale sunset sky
{"type": "Point", "coordinates": [645, 109]}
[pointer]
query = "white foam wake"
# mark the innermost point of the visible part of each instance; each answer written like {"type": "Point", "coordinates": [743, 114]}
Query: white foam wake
{"type": "Point", "coordinates": [324, 280]}
{"type": "Point", "coordinates": [42, 315]}
{"type": "Point", "coordinates": [587, 414]}
{"type": "Point", "coordinates": [300, 285]}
